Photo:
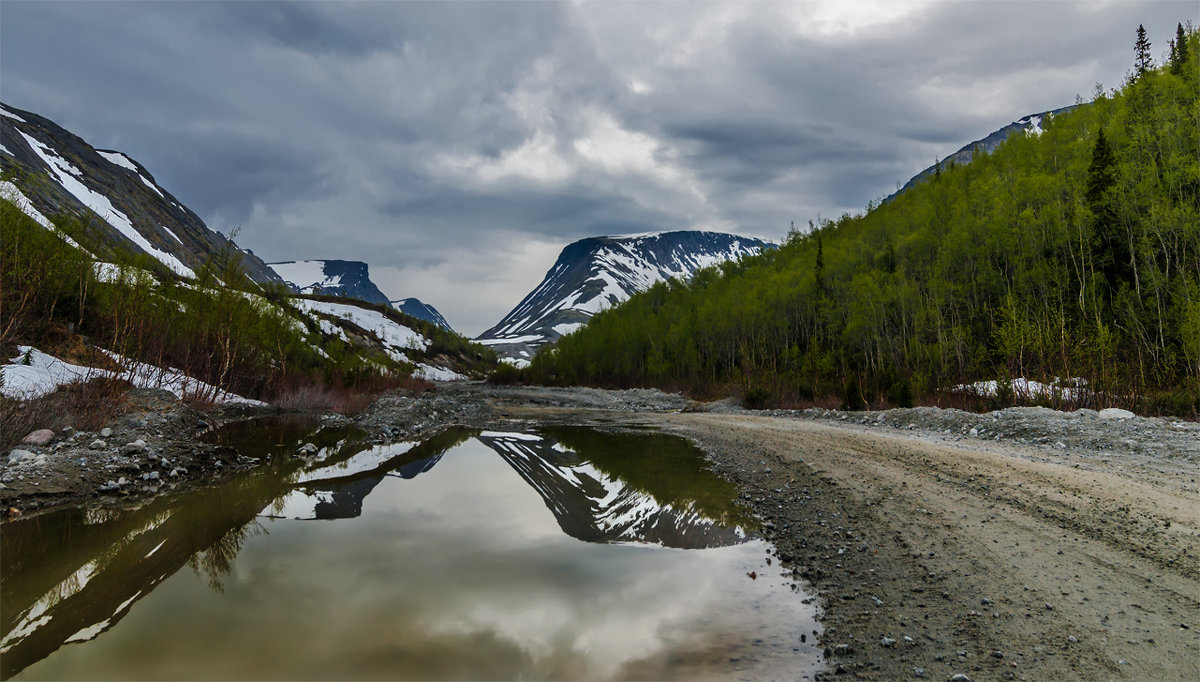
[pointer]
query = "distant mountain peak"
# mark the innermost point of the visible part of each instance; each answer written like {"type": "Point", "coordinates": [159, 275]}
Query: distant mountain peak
{"type": "Point", "coordinates": [421, 311]}
{"type": "Point", "coordinates": [598, 272]}
{"type": "Point", "coordinates": [348, 278]}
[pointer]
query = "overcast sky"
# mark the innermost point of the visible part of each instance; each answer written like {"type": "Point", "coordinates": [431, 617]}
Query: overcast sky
{"type": "Point", "coordinates": [457, 147]}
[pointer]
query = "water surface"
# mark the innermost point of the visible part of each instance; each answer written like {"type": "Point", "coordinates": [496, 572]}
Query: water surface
{"type": "Point", "coordinates": [563, 554]}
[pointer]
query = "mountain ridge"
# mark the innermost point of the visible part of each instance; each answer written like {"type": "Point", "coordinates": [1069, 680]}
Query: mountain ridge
{"type": "Point", "coordinates": [594, 273]}
{"type": "Point", "coordinates": [123, 208]}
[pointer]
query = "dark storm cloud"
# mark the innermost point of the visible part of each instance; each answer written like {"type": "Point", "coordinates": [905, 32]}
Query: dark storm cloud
{"type": "Point", "coordinates": [457, 146]}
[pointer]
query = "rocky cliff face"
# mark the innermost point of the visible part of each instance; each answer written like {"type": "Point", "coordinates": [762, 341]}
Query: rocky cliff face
{"type": "Point", "coordinates": [55, 173]}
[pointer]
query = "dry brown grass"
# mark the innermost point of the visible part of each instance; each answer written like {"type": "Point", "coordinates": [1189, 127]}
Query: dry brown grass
{"type": "Point", "coordinates": [344, 400]}
{"type": "Point", "coordinates": [84, 405]}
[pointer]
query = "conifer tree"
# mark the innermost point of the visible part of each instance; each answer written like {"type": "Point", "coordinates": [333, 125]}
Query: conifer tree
{"type": "Point", "coordinates": [1179, 51]}
{"type": "Point", "coordinates": [1143, 62]}
{"type": "Point", "coordinates": [1112, 252]}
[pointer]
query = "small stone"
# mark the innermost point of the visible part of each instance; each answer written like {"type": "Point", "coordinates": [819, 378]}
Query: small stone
{"type": "Point", "coordinates": [919, 672]}
{"type": "Point", "coordinates": [887, 642]}
{"type": "Point", "coordinates": [152, 476]}
{"type": "Point", "coordinates": [985, 601]}
{"type": "Point", "coordinates": [1060, 445]}
{"type": "Point", "coordinates": [828, 652]}
{"type": "Point", "coordinates": [136, 446]}
{"type": "Point", "coordinates": [68, 431]}
{"type": "Point", "coordinates": [1072, 639]}
{"type": "Point", "coordinates": [974, 432]}
{"type": "Point", "coordinates": [843, 650]}
{"type": "Point", "coordinates": [122, 482]}
{"type": "Point", "coordinates": [97, 445]}
{"type": "Point", "coordinates": [959, 677]}
{"type": "Point", "coordinates": [39, 437]}
{"type": "Point", "coordinates": [1116, 413]}
{"type": "Point", "coordinates": [105, 432]}
{"type": "Point", "coordinates": [997, 654]}
{"type": "Point", "coordinates": [1049, 606]}
{"type": "Point", "coordinates": [18, 456]}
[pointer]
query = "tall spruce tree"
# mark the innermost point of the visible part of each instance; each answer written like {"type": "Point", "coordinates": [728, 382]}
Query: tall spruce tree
{"type": "Point", "coordinates": [1112, 257]}
{"type": "Point", "coordinates": [1143, 62]}
{"type": "Point", "coordinates": [1179, 51]}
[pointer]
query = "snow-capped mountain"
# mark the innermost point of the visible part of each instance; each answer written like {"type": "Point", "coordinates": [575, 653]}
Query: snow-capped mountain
{"type": "Point", "coordinates": [54, 172]}
{"type": "Point", "coordinates": [593, 506]}
{"type": "Point", "coordinates": [349, 278]}
{"type": "Point", "coordinates": [421, 311]}
{"type": "Point", "coordinates": [1029, 125]}
{"type": "Point", "coordinates": [598, 272]}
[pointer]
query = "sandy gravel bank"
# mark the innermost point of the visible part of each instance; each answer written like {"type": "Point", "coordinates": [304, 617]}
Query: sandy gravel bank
{"type": "Point", "coordinates": [980, 561]}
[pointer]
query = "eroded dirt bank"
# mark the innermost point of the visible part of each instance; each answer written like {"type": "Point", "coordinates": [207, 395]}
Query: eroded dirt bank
{"type": "Point", "coordinates": [1024, 544]}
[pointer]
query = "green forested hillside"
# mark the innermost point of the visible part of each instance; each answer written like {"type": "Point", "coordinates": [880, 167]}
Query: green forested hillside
{"type": "Point", "coordinates": [1073, 253]}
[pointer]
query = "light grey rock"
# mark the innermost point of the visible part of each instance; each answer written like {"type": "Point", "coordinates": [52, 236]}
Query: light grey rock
{"type": "Point", "coordinates": [105, 432]}
{"type": "Point", "coordinates": [97, 445]}
{"type": "Point", "coordinates": [136, 446]}
{"type": "Point", "coordinates": [959, 677]}
{"type": "Point", "coordinates": [18, 456]}
{"type": "Point", "coordinates": [887, 642]}
{"type": "Point", "coordinates": [1116, 413]}
{"type": "Point", "coordinates": [39, 437]}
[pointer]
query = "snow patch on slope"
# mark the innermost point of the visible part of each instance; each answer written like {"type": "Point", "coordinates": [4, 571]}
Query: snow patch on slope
{"type": "Point", "coordinates": [69, 177]}
{"type": "Point", "coordinates": [45, 373]}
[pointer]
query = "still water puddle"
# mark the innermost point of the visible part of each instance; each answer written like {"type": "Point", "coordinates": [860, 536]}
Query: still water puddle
{"type": "Point", "coordinates": [562, 554]}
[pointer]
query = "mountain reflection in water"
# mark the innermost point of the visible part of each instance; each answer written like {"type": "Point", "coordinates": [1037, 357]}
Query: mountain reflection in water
{"type": "Point", "coordinates": [72, 575]}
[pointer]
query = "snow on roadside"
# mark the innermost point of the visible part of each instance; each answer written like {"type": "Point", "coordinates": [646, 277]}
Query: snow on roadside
{"type": "Point", "coordinates": [1028, 389]}
{"type": "Point", "coordinates": [45, 373]}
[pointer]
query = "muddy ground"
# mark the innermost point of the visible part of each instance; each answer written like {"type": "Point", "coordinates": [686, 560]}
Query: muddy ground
{"type": "Point", "coordinates": [1021, 544]}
